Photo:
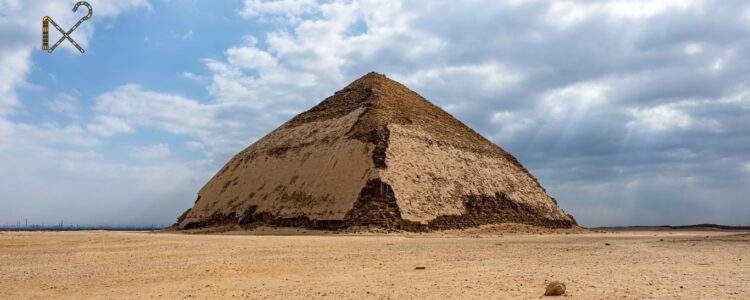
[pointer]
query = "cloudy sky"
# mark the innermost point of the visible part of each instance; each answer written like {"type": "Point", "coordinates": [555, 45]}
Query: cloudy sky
{"type": "Point", "coordinates": [628, 112]}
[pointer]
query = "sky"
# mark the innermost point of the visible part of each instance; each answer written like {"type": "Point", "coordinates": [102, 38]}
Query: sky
{"type": "Point", "coordinates": [628, 112]}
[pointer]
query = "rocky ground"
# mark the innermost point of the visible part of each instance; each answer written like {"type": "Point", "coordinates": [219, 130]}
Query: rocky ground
{"type": "Point", "coordinates": [505, 262]}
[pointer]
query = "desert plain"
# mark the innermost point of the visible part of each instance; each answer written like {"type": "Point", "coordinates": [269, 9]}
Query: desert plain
{"type": "Point", "coordinates": [511, 262]}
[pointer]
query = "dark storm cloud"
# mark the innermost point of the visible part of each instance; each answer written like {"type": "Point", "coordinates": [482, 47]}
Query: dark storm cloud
{"type": "Point", "coordinates": [666, 139]}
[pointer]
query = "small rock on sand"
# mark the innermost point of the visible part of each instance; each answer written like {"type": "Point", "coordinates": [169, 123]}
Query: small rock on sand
{"type": "Point", "coordinates": [555, 288]}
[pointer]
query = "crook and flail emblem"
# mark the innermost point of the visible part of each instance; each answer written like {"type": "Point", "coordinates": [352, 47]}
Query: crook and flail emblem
{"type": "Point", "coordinates": [65, 35]}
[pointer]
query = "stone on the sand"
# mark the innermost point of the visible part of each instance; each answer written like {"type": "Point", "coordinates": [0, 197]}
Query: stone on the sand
{"type": "Point", "coordinates": [555, 288]}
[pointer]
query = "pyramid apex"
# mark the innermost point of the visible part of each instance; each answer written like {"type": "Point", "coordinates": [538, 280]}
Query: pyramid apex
{"type": "Point", "coordinates": [369, 80]}
{"type": "Point", "coordinates": [374, 75]}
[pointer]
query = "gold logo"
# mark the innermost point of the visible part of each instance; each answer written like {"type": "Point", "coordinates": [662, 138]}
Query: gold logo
{"type": "Point", "coordinates": [65, 35]}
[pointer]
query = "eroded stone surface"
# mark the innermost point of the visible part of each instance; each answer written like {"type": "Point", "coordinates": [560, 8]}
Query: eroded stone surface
{"type": "Point", "coordinates": [374, 153]}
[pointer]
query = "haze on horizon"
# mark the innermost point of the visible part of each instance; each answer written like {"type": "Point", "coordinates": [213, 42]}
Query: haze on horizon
{"type": "Point", "coordinates": [628, 112]}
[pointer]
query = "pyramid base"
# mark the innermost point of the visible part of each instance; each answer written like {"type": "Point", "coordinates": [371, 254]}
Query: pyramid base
{"type": "Point", "coordinates": [377, 206]}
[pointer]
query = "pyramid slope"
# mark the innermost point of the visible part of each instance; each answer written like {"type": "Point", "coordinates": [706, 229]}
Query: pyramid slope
{"type": "Point", "coordinates": [374, 153]}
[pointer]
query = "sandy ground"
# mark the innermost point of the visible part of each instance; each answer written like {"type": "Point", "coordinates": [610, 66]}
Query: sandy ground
{"type": "Point", "coordinates": [137, 265]}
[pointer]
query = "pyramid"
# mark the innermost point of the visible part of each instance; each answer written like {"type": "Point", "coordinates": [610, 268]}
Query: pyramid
{"type": "Point", "coordinates": [374, 153]}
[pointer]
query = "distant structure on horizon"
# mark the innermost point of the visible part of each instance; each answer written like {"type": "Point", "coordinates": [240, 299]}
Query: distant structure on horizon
{"type": "Point", "coordinates": [72, 227]}
{"type": "Point", "coordinates": [374, 153]}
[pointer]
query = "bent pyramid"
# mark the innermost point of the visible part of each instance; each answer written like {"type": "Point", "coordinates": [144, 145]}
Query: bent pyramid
{"type": "Point", "coordinates": [374, 153]}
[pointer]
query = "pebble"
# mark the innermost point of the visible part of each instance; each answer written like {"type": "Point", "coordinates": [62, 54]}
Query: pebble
{"type": "Point", "coordinates": [555, 288]}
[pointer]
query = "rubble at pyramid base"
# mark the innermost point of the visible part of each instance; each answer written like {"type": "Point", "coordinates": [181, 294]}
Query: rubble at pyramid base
{"type": "Point", "coordinates": [369, 211]}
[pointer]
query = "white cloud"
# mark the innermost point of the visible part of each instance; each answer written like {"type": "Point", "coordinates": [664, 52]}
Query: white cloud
{"type": "Point", "coordinates": [674, 115]}
{"type": "Point", "coordinates": [740, 98]}
{"type": "Point", "coordinates": [692, 48]}
{"type": "Point", "coordinates": [717, 65]}
{"type": "Point", "coordinates": [250, 58]}
{"type": "Point", "coordinates": [195, 145]}
{"type": "Point", "coordinates": [569, 13]}
{"type": "Point", "coordinates": [50, 134]}
{"type": "Point", "coordinates": [22, 137]}
{"type": "Point", "coordinates": [64, 103]}
{"type": "Point", "coordinates": [575, 99]}
{"type": "Point", "coordinates": [42, 183]}
{"type": "Point", "coordinates": [149, 152]}
{"type": "Point", "coordinates": [14, 66]}
{"type": "Point", "coordinates": [317, 54]}
{"type": "Point", "coordinates": [168, 112]}
{"type": "Point", "coordinates": [292, 9]}
{"type": "Point", "coordinates": [109, 125]}
{"type": "Point", "coordinates": [489, 76]}
{"type": "Point", "coordinates": [644, 8]}
{"type": "Point", "coordinates": [218, 126]}
{"type": "Point", "coordinates": [193, 77]}
{"type": "Point", "coordinates": [659, 118]}
{"type": "Point", "coordinates": [509, 124]}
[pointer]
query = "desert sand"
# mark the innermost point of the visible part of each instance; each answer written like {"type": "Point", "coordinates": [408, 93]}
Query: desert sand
{"type": "Point", "coordinates": [289, 263]}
